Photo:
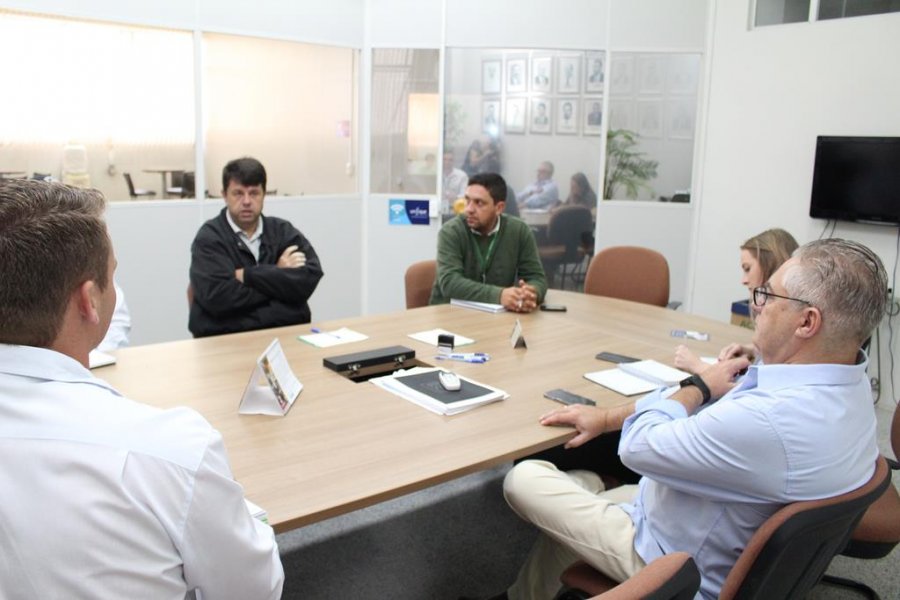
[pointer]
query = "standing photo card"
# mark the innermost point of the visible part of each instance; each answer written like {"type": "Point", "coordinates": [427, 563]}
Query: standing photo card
{"type": "Point", "coordinates": [273, 387]}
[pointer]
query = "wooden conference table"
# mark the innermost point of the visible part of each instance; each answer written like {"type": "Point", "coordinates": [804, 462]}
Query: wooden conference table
{"type": "Point", "coordinates": [346, 445]}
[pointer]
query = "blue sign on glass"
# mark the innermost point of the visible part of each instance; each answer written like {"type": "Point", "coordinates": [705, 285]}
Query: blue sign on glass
{"type": "Point", "coordinates": [407, 212]}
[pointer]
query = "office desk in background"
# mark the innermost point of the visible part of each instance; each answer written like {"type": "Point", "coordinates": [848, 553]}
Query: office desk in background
{"type": "Point", "coordinates": [346, 445]}
{"type": "Point", "coordinates": [164, 175]}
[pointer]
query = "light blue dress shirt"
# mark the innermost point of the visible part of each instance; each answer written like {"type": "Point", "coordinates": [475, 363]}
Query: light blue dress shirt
{"type": "Point", "coordinates": [547, 197]}
{"type": "Point", "coordinates": [785, 433]}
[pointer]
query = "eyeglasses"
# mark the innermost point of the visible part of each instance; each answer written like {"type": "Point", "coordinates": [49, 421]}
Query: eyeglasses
{"type": "Point", "coordinates": [761, 295]}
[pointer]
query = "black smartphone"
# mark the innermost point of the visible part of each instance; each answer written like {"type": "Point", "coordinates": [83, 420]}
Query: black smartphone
{"type": "Point", "coordinates": [568, 397]}
{"type": "Point", "coordinates": [615, 358]}
{"type": "Point", "coordinates": [554, 307]}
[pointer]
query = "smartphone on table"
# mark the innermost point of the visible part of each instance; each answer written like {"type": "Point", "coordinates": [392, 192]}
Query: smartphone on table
{"type": "Point", "coordinates": [568, 397]}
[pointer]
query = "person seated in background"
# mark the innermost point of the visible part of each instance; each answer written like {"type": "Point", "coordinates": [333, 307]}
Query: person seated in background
{"type": "Point", "coordinates": [249, 271]}
{"type": "Point", "coordinates": [487, 256]}
{"type": "Point", "coordinates": [103, 497]}
{"type": "Point", "coordinates": [719, 455]}
{"type": "Point", "coordinates": [483, 156]}
{"type": "Point", "coordinates": [454, 182]}
{"type": "Point", "coordinates": [580, 192]}
{"type": "Point", "coordinates": [761, 256]}
{"type": "Point", "coordinates": [543, 193]}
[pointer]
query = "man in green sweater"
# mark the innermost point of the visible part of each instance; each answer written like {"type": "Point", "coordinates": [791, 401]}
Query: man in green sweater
{"type": "Point", "coordinates": [486, 256]}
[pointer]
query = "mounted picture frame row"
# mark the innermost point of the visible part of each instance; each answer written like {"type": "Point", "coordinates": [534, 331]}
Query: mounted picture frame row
{"type": "Point", "coordinates": [543, 115]}
{"type": "Point", "coordinates": [565, 74]}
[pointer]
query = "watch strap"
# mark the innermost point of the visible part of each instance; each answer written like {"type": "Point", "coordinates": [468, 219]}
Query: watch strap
{"type": "Point", "coordinates": [697, 381]}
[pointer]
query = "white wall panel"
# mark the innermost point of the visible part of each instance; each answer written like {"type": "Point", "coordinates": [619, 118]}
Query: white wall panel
{"type": "Point", "coordinates": [405, 23]}
{"type": "Point", "coordinates": [337, 22]}
{"type": "Point", "coordinates": [664, 227]}
{"type": "Point", "coordinates": [391, 249]}
{"type": "Point", "coordinates": [664, 24]}
{"type": "Point", "coordinates": [578, 24]}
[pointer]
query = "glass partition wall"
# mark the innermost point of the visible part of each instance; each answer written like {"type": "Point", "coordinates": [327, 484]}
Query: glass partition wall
{"type": "Point", "coordinates": [96, 104]}
{"type": "Point", "coordinates": [113, 107]}
{"type": "Point", "coordinates": [523, 107]}
{"type": "Point", "coordinates": [405, 120]}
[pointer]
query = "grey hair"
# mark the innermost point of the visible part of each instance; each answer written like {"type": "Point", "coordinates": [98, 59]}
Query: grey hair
{"type": "Point", "coordinates": [846, 281]}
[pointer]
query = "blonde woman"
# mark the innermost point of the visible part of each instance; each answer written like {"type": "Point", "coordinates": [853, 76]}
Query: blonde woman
{"type": "Point", "coordinates": [761, 256]}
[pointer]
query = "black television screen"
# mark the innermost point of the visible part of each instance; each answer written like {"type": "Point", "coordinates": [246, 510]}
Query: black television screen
{"type": "Point", "coordinates": [856, 179]}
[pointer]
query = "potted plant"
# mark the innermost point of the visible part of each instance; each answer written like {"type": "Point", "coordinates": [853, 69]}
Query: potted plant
{"type": "Point", "coordinates": [626, 167]}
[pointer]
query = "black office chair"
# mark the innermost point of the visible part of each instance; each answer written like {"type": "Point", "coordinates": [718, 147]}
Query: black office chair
{"type": "Point", "coordinates": [177, 184]}
{"type": "Point", "coordinates": [134, 192]}
{"type": "Point", "coordinates": [563, 250]}
{"type": "Point", "coordinates": [790, 551]}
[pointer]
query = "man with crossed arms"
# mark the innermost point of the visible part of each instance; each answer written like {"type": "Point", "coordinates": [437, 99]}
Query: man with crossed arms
{"type": "Point", "coordinates": [249, 271]}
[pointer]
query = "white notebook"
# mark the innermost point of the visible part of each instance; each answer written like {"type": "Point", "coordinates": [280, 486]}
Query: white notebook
{"type": "Point", "coordinates": [485, 306]}
{"type": "Point", "coordinates": [655, 372]}
{"type": "Point", "coordinates": [621, 382]}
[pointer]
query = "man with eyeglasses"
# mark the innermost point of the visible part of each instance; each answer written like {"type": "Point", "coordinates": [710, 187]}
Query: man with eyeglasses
{"type": "Point", "coordinates": [543, 193]}
{"type": "Point", "coordinates": [721, 453]}
{"type": "Point", "coordinates": [249, 271]}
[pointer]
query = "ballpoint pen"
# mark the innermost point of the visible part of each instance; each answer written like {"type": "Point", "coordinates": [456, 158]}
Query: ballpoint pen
{"type": "Point", "coordinates": [470, 357]}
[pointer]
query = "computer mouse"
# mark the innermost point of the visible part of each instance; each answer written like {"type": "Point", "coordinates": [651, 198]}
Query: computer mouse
{"type": "Point", "coordinates": [449, 381]}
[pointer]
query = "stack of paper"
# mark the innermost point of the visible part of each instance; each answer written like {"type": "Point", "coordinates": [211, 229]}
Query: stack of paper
{"type": "Point", "coordinates": [485, 306]}
{"type": "Point", "coordinates": [327, 339]}
{"type": "Point", "coordinates": [637, 377]}
{"type": "Point", "coordinates": [421, 386]}
{"type": "Point", "coordinates": [655, 372]}
{"type": "Point", "coordinates": [100, 359]}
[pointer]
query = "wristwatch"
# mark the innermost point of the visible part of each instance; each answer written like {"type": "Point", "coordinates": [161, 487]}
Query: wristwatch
{"type": "Point", "coordinates": [697, 381]}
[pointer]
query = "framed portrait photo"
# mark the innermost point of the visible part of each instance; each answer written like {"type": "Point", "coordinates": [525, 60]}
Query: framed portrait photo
{"type": "Point", "coordinates": [516, 75]}
{"type": "Point", "coordinates": [683, 73]}
{"type": "Point", "coordinates": [541, 115]}
{"type": "Point", "coordinates": [515, 115]}
{"type": "Point", "coordinates": [568, 75]}
{"type": "Point", "coordinates": [490, 77]}
{"type": "Point", "coordinates": [541, 74]}
{"type": "Point", "coordinates": [592, 116]}
{"type": "Point", "coordinates": [567, 116]}
{"type": "Point", "coordinates": [594, 72]}
{"type": "Point", "coordinates": [652, 70]}
{"type": "Point", "coordinates": [680, 117]}
{"type": "Point", "coordinates": [649, 118]}
{"type": "Point", "coordinates": [622, 75]}
{"type": "Point", "coordinates": [621, 114]}
{"type": "Point", "coordinates": [490, 117]}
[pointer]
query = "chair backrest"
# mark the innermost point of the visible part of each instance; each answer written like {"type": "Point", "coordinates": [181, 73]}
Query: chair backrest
{"type": "Point", "coordinates": [895, 433]}
{"type": "Point", "coordinates": [629, 273]}
{"type": "Point", "coordinates": [419, 280]}
{"type": "Point", "coordinates": [190, 295]}
{"type": "Point", "coordinates": [188, 183]}
{"type": "Point", "coordinates": [130, 184]}
{"type": "Point", "coordinates": [789, 553]}
{"type": "Point", "coordinates": [670, 577]}
{"type": "Point", "coordinates": [177, 178]}
{"type": "Point", "coordinates": [567, 226]}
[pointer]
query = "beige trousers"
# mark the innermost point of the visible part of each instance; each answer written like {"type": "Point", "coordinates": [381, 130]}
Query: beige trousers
{"type": "Point", "coordinates": [579, 520]}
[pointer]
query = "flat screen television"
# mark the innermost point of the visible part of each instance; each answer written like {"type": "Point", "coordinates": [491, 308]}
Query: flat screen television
{"type": "Point", "coordinates": [857, 179]}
